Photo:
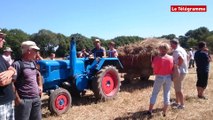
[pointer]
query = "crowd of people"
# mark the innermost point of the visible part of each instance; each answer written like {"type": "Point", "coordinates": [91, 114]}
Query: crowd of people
{"type": "Point", "coordinates": [99, 51]}
{"type": "Point", "coordinates": [21, 82]}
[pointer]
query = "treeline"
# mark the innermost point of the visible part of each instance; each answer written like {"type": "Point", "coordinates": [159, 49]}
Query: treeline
{"type": "Point", "coordinates": [49, 41]}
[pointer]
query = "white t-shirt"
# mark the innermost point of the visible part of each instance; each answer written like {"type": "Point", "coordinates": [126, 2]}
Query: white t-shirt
{"type": "Point", "coordinates": [179, 51]}
{"type": "Point", "coordinates": [191, 53]}
{"type": "Point", "coordinates": [8, 59]}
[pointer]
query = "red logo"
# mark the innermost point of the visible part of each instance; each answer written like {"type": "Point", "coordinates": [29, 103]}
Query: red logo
{"type": "Point", "coordinates": [188, 8]}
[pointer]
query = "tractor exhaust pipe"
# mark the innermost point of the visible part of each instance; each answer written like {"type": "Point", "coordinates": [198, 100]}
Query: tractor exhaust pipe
{"type": "Point", "coordinates": [73, 56]}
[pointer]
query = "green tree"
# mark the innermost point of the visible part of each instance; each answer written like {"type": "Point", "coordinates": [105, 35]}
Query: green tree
{"type": "Point", "coordinates": [183, 41]}
{"type": "Point", "coordinates": [192, 42]}
{"type": "Point", "coordinates": [169, 37]}
{"type": "Point", "coordinates": [209, 41]}
{"type": "Point", "coordinates": [123, 40]}
{"type": "Point", "coordinates": [199, 34]}
{"type": "Point", "coordinates": [46, 40]}
{"type": "Point", "coordinates": [63, 47]}
{"type": "Point", "coordinates": [14, 39]}
{"type": "Point", "coordinates": [82, 41]}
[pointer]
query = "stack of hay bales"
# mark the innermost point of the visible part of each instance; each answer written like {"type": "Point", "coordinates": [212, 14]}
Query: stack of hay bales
{"type": "Point", "coordinates": [136, 58]}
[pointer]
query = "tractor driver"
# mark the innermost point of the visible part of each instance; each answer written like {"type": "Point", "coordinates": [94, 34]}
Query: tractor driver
{"type": "Point", "coordinates": [98, 51]}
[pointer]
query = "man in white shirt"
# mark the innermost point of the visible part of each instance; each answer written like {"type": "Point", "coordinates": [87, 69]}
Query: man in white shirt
{"type": "Point", "coordinates": [191, 58]}
{"type": "Point", "coordinates": [181, 65]}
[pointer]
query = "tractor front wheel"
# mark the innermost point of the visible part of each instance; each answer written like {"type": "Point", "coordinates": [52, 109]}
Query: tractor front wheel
{"type": "Point", "coordinates": [107, 83]}
{"type": "Point", "coordinates": [59, 101]}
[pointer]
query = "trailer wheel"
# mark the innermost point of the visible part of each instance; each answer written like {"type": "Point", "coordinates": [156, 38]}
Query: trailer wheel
{"type": "Point", "coordinates": [107, 83]}
{"type": "Point", "coordinates": [144, 77]}
{"type": "Point", "coordinates": [59, 101]}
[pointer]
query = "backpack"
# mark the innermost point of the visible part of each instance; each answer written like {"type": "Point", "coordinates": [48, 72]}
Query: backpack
{"type": "Point", "coordinates": [22, 67]}
{"type": "Point", "coordinates": [20, 76]}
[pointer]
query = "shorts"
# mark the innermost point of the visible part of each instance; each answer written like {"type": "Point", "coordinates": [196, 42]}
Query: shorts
{"type": "Point", "coordinates": [178, 82]}
{"type": "Point", "coordinates": [202, 79]}
{"type": "Point", "coordinates": [7, 111]}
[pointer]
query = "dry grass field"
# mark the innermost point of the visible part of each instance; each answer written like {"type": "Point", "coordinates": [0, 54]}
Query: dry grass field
{"type": "Point", "coordinates": [133, 100]}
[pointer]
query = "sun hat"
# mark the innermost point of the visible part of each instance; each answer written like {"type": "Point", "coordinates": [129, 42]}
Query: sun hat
{"type": "Point", "coordinates": [29, 45]}
{"type": "Point", "coordinates": [8, 49]}
{"type": "Point", "coordinates": [96, 40]}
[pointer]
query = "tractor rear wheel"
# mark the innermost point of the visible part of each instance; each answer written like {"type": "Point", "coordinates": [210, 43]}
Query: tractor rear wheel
{"type": "Point", "coordinates": [59, 101]}
{"type": "Point", "coordinates": [107, 83]}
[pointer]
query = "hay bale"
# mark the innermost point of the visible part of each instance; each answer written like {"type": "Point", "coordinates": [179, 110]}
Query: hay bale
{"type": "Point", "coordinates": [136, 58]}
{"type": "Point", "coordinates": [146, 47]}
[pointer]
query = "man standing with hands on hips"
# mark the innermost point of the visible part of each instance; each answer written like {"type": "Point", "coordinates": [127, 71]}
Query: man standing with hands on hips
{"type": "Point", "coordinates": [28, 84]}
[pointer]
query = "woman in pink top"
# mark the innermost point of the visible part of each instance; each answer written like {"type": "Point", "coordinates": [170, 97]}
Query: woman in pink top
{"type": "Point", "coordinates": [162, 67]}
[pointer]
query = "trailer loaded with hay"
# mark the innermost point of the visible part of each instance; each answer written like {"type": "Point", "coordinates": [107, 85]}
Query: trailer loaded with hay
{"type": "Point", "coordinates": [137, 57]}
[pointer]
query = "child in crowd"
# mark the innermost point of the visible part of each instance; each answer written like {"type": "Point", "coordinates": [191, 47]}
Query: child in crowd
{"type": "Point", "coordinates": [112, 51]}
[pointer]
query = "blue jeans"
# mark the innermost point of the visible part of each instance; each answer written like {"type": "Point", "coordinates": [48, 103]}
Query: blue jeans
{"type": "Point", "coordinates": [28, 109]}
{"type": "Point", "coordinates": [7, 111]}
{"type": "Point", "coordinates": [165, 81]}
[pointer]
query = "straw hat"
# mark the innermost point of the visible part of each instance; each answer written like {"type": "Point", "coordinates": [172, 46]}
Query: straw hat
{"type": "Point", "coordinates": [30, 45]}
{"type": "Point", "coordinates": [26, 45]}
{"type": "Point", "coordinates": [8, 49]}
{"type": "Point", "coordinates": [96, 41]}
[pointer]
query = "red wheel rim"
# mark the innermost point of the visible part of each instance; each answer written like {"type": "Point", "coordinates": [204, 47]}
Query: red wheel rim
{"type": "Point", "coordinates": [61, 102]}
{"type": "Point", "coordinates": [109, 84]}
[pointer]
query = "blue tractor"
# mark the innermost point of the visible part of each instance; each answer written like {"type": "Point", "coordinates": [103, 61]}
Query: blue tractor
{"type": "Point", "coordinates": [63, 78]}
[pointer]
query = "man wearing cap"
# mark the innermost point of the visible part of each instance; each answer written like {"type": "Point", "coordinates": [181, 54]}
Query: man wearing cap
{"type": "Point", "coordinates": [6, 90]}
{"type": "Point", "coordinates": [7, 55]}
{"type": "Point", "coordinates": [28, 86]}
{"type": "Point", "coordinates": [98, 51]}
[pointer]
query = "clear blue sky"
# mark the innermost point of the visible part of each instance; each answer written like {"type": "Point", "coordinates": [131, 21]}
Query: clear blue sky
{"type": "Point", "coordinates": [104, 18]}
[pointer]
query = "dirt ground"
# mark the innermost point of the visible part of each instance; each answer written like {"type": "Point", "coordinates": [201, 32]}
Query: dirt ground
{"type": "Point", "coordinates": [133, 100]}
